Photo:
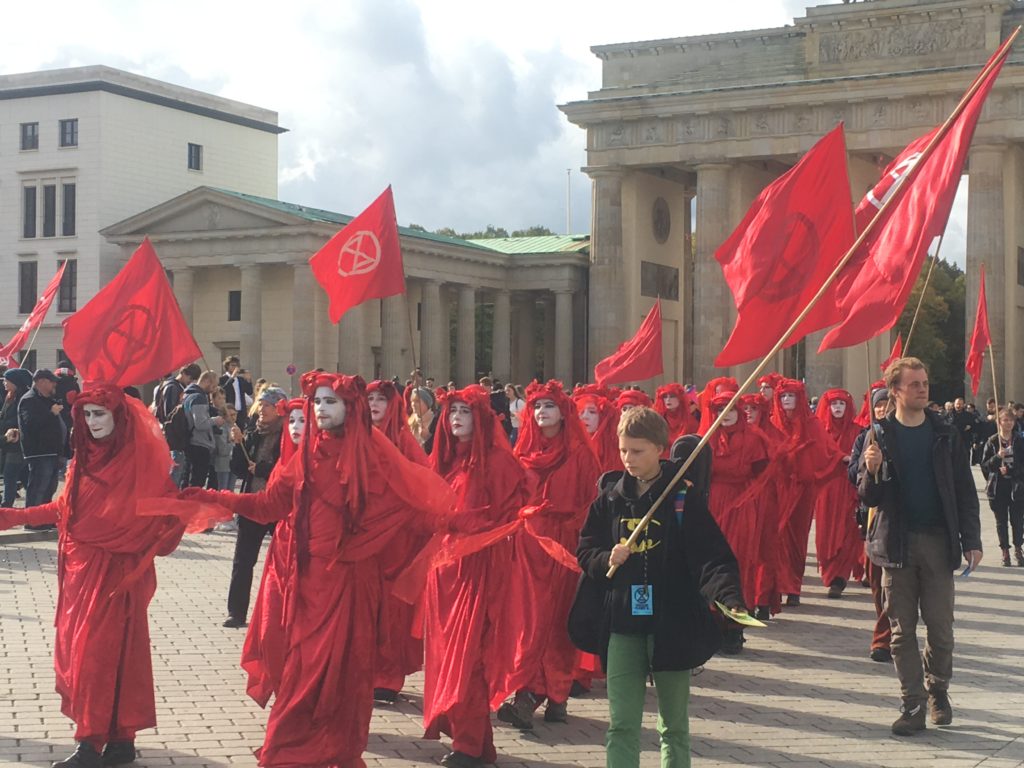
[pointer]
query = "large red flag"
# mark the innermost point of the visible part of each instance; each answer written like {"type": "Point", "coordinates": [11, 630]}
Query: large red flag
{"type": "Point", "coordinates": [33, 321]}
{"type": "Point", "coordinates": [980, 339]}
{"type": "Point", "coordinates": [132, 331]}
{"type": "Point", "coordinates": [790, 241]}
{"type": "Point", "coordinates": [873, 289]}
{"type": "Point", "coordinates": [895, 353]}
{"type": "Point", "coordinates": [637, 359]}
{"type": "Point", "coordinates": [363, 261]}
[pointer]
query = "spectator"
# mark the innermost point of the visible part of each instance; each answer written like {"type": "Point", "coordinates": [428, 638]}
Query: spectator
{"type": "Point", "coordinates": [1002, 463]}
{"type": "Point", "coordinates": [237, 388]}
{"type": "Point", "coordinates": [965, 421]}
{"type": "Point", "coordinates": [516, 403]}
{"type": "Point", "coordinates": [43, 437]}
{"type": "Point", "coordinates": [199, 454]}
{"type": "Point", "coordinates": [17, 381]}
{"type": "Point", "coordinates": [499, 403]}
{"type": "Point", "coordinates": [422, 422]}
{"type": "Point", "coordinates": [225, 477]}
{"type": "Point", "coordinates": [67, 382]}
{"type": "Point", "coordinates": [222, 445]}
{"type": "Point", "coordinates": [166, 399]}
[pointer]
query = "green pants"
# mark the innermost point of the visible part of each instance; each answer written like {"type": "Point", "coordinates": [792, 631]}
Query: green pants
{"type": "Point", "coordinates": [628, 666]}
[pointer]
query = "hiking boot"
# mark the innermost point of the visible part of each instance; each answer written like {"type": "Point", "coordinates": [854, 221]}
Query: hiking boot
{"type": "Point", "coordinates": [1018, 553]}
{"type": "Point", "coordinates": [456, 759]}
{"type": "Point", "coordinates": [792, 600]}
{"type": "Point", "coordinates": [836, 587]}
{"type": "Point", "coordinates": [910, 721]}
{"type": "Point", "coordinates": [556, 712]}
{"type": "Point", "coordinates": [1006, 558]}
{"type": "Point", "coordinates": [83, 757]}
{"type": "Point", "coordinates": [519, 711]}
{"type": "Point", "coordinates": [119, 753]}
{"type": "Point", "coordinates": [385, 695]}
{"type": "Point", "coordinates": [881, 654]}
{"type": "Point", "coordinates": [939, 710]}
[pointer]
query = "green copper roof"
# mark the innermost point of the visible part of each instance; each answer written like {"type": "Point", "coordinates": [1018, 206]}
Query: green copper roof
{"type": "Point", "coordinates": [540, 244]}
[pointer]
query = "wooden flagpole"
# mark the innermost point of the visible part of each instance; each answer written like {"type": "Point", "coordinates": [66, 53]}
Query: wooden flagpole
{"type": "Point", "coordinates": [920, 299]}
{"type": "Point", "coordinates": [894, 196]}
{"type": "Point", "coordinates": [992, 359]}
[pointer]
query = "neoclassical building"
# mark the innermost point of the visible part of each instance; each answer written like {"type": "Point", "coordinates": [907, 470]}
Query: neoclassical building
{"type": "Point", "coordinates": [712, 119]}
{"type": "Point", "coordinates": [238, 263]}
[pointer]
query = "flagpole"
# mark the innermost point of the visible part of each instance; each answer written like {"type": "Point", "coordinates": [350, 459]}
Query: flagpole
{"type": "Point", "coordinates": [895, 196]}
{"type": "Point", "coordinates": [920, 299]}
{"type": "Point", "coordinates": [992, 359]}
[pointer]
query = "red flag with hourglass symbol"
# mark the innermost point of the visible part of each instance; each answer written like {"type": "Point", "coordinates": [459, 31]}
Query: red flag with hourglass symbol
{"type": "Point", "coordinates": [132, 331]}
{"type": "Point", "coordinates": [363, 261]}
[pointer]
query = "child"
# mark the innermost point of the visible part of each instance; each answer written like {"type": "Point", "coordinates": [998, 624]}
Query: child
{"type": "Point", "coordinates": [654, 617]}
{"type": "Point", "coordinates": [221, 441]}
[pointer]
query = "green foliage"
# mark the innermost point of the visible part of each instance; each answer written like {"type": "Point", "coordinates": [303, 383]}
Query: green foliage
{"type": "Point", "coordinates": [491, 232]}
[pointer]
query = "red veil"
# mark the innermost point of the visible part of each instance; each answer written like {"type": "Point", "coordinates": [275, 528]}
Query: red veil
{"type": "Point", "coordinates": [630, 398]}
{"type": "Point", "coordinates": [605, 441]}
{"type": "Point", "coordinates": [680, 421]}
{"type": "Point", "coordinates": [539, 453]}
{"type": "Point", "coordinates": [394, 425]}
{"type": "Point", "coordinates": [712, 388]}
{"type": "Point", "coordinates": [284, 410]}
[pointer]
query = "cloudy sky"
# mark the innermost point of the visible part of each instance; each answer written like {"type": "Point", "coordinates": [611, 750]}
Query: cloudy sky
{"type": "Point", "coordinates": [454, 102]}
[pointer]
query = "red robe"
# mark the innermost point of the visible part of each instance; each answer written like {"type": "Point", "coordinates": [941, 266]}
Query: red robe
{"type": "Point", "coordinates": [681, 421]}
{"type": "Point", "coordinates": [766, 572]}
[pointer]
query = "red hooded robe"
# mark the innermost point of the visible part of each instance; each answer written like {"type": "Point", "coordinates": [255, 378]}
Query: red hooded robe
{"type": "Point", "coordinates": [605, 441]}
{"type": "Point", "coordinates": [681, 421]}
{"type": "Point", "coordinates": [767, 560]}
{"type": "Point", "coordinates": [712, 388]}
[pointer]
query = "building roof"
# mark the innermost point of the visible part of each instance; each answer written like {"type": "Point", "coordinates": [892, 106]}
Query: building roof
{"type": "Point", "coordinates": [538, 244]}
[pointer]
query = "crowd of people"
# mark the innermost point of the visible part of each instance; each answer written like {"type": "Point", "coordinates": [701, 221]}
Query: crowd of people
{"type": "Point", "coordinates": [482, 534]}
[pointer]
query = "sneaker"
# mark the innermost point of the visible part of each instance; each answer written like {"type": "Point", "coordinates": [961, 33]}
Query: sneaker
{"type": "Point", "coordinates": [229, 527]}
{"type": "Point", "coordinates": [939, 710]}
{"type": "Point", "coordinates": [556, 712]}
{"type": "Point", "coordinates": [385, 695]}
{"type": "Point", "coordinates": [119, 753]}
{"type": "Point", "coordinates": [462, 760]}
{"type": "Point", "coordinates": [910, 721]}
{"type": "Point", "coordinates": [881, 654]}
{"type": "Point", "coordinates": [233, 622]}
{"type": "Point", "coordinates": [835, 589]}
{"type": "Point", "coordinates": [84, 756]}
{"type": "Point", "coordinates": [519, 711]}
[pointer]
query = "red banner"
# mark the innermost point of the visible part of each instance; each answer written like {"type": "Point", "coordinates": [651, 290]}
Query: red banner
{"type": "Point", "coordinates": [895, 354]}
{"type": "Point", "coordinates": [637, 359]}
{"type": "Point", "coordinates": [33, 321]}
{"type": "Point", "coordinates": [980, 339]}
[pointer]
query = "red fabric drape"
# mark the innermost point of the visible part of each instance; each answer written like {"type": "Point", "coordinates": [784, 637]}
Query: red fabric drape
{"type": "Point", "coordinates": [680, 421]}
{"type": "Point", "coordinates": [605, 441]}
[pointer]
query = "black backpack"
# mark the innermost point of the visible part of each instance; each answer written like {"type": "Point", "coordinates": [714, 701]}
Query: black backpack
{"type": "Point", "coordinates": [178, 428]}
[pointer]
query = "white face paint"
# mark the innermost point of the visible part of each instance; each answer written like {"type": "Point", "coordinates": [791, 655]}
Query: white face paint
{"type": "Point", "coordinates": [460, 419]}
{"type": "Point", "coordinates": [838, 408]}
{"type": "Point", "coordinates": [788, 400]}
{"type": "Point", "coordinates": [767, 391]}
{"type": "Point", "coordinates": [378, 406]}
{"type": "Point", "coordinates": [546, 413]}
{"type": "Point", "coordinates": [328, 408]}
{"type": "Point", "coordinates": [99, 421]}
{"type": "Point", "coordinates": [671, 402]}
{"type": "Point", "coordinates": [296, 425]}
{"type": "Point", "coordinates": [590, 418]}
{"type": "Point", "coordinates": [752, 413]}
{"type": "Point", "coordinates": [730, 418]}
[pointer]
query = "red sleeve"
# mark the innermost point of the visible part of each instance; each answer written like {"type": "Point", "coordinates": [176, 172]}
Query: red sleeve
{"type": "Point", "coordinates": [44, 514]}
{"type": "Point", "coordinates": [272, 503]}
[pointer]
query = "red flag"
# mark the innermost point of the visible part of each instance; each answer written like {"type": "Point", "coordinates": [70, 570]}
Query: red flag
{"type": "Point", "coordinates": [873, 290]}
{"type": "Point", "coordinates": [33, 321]}
{"type": "Point", "coordinates": [637, 359]}
{"type": "Point", "coordinates": [895, 354]}
{"type": "Point", "coordinates": [363, 261]}
{"type": "Point", "coordinates": [132, 331]}
{"type": "Point", "coordinates": [980, 339]}
{"type": "Point", "coordinates": [790, 241]}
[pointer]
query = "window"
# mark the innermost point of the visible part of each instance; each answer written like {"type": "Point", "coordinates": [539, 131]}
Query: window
{"type": "Point", "coordinates": [1020, 265]}
{"type": "Point", "coordinates": [67, 222]}
{"type": "Point", "coordinates": [67, 298]}
{"type": "Point", "coordinates": [61, 358]}
{"type": "Point", "coordinates": [234, 305]}
{"type": "Point", "coordinates": [27, 359]}
{"type": "Point", "coordinates": [27, 286]}
{"type": "Point", "coordinates": [30, 135]}
{"type": "Point", "coordinates": [69, 133]}
{"type": "Point", "coordinates": [49, 210]}
{"type": "Point", "coordinates": [195, 157]}
{"type": "Point", "coordinates": [28, 212]}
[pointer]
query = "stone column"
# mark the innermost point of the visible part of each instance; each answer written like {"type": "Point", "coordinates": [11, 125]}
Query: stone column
{"type": "Point", "coordinates": [431, 320]}
{"type": "Point", "coordinates": [251, 331]}
{"type": "Point", "coordinates": [526, 350]}
{"type": "Point", "coordinates": [501, 346]}
{"type": "Point", "coordinates": [549, 336]}
{"type": "Point", "coordinates": [465, 342]}
{"type": "Point", "coordinates": [355, 353]}
{"type": "Point", "coordinates": [563, 337]}
{"type": "Point", "coordinates": [711, 298]}
{"type": "Point", "coordinates": [184, 292]}
{"type": "Point", "coordinates": [394, 338]}
{"type": "Point", "coordinates": [325, 346]}
{"type": "Point", "coordinates": [446, 337]}
{"type": "Point", "coordinates": [303, 317]}
{"type": "Point", "coordinates": [607, 316]}
{"type": "Point", "coordinates": [986, 244]}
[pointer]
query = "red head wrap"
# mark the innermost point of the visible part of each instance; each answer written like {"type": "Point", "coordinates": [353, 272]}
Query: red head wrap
{"type": "Point", "coordinates": [842, 430]}
{"type": "Point", "coordinates": [284, 410]}
{"type": "Point", "coordinates": [680, 421]}
{"type": "Point", "coordinates": [487, 435]}
{"type": "Point", "coordinates": [534, 450]}
{"type": "Point", "coordinates": [394, 417]}
{"type": "Point", "coordinates": [713, 387]}
{"type": "Point", "coordinates": [631, 398]}
{"type": "Point", "coordinates": [605, 440]}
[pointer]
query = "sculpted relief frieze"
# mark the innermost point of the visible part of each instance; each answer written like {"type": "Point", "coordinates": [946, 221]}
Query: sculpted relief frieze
{"type": "Point", "coordinates": [904, 40]}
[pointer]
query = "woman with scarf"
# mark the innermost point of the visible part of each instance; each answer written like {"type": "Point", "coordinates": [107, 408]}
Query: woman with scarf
{"type": "Point", "coordinates": [356, 506]}
{"type": "Point", "coordinates": [114, 517]}
{"type": "Point", "coordinates": [600, 417]}
{"type": "Point", "coordinates": [837, 539]}
{"type": "Point", "coordinates": [402, 655]}
{"type": "Point", "coordinates": [672, 402]}
{"type": "Point", "coordinates": [556, 453]}
{"type": "Point", "coordinates": [467, 652]}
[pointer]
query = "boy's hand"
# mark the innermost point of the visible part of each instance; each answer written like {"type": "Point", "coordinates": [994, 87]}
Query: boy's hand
{"type": "Point", "coordinates": [620, 554]}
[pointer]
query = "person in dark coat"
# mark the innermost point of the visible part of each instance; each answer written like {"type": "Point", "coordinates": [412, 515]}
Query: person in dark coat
{"type": "Point", "coordinates": [67, 382]}
{"type": "Point", "coordinates": [43, 437]}
{"type": "Point", "coordinates": [1002, 463]}
{"type": "Point", "coordinates": [17, 381]}
{"type": "Point", "coordinates": [237, 388]}
{"type": "Point", "coordinates": [656, 618]}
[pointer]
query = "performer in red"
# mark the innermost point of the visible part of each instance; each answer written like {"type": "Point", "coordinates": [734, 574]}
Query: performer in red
{"type": "Point", "coordinates": [806, 457]}
{"type": "Point", "coordinates": [105, 574]}
{"type": "Point", "coordinates": [673, 403]}
{"type": "Point", "coordinates": [555, 451]}
{"type": "Point", "coordinates": [835, 512]}
{"type": "Point", "coordinates": [402, 655]}
{"type": "Point", "coordinates": [465, 600]}
{"type": "Point", "coordinates": [714, 387]}
{"type": "Point", "coordinates": [767, 385]}
{"type": "Point", "coordinates": [739, 458]}
{"type": "Point", "coordinates": [600, 419]}
{"type": "Point", "coordinates": [630, 398]}
{"type": "Point", "coordinates": [355, 506]}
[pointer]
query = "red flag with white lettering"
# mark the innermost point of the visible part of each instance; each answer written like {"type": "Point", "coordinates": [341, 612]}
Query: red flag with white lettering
{"type": "Point", "coordinates": [33, 321]}
{"type": "Point", "coordinates": [980, 338]}
{"type": "Point", "coordinates": [363, 261]}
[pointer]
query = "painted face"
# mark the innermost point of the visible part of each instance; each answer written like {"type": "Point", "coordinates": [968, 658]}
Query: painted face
{"type": "Point", "coordinates": [838, 408]}
{"type": "Point", "coordinates": [752, 413]}
{"type": "Point", "coordinates": [590, 418]}
{"type": "Point", "coordinates": [788, 400]}
{"type": "Point", "coordinates": [328, 408]}
{"type": "Point", "coordinates": [767, 391]}
{"type": "Point", "coordinates": [99, 421]}
{"type": "Point", "coordinates": [460, 419]}
{"type": "Point", "coordinates": [296, 425]}
{"type": "Point", "coordinates": [730, 418]}
{"type": "Point", "coordinates": [546, 413]}
{"type": "Point", "coordinates": [671, 402]}
{"type": "Point", "coordinates": [378, 406]}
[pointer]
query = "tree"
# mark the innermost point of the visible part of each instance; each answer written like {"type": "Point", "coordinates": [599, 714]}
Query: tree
{"type": "Point", "coordinates": [537, 230]}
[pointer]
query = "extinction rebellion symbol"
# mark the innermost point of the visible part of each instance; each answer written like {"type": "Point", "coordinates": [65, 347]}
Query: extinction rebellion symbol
{"type": "Point", "coordinates": [360, 255]}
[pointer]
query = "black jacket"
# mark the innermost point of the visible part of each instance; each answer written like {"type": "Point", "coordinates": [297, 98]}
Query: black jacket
{"type": "Point", "coordinates": [42, 433]}
{"type": "Point", "coordinates": [9, 420]}
{"type": "Point", "coordinates": [265, 457]}
{"type": "Point", "coordinates": [991, 461]}
{"type": "Point", "coordinates": [887, 534]}
{"type": "Point", "coordinates": [691, 566]}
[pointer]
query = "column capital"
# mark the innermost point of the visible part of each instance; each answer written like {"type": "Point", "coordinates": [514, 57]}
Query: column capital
{"type": "Point", "coordinates": [604, 171]}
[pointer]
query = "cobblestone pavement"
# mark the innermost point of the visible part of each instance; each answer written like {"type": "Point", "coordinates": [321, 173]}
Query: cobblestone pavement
{"type": "Point", "coordinates": [803, 693]}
